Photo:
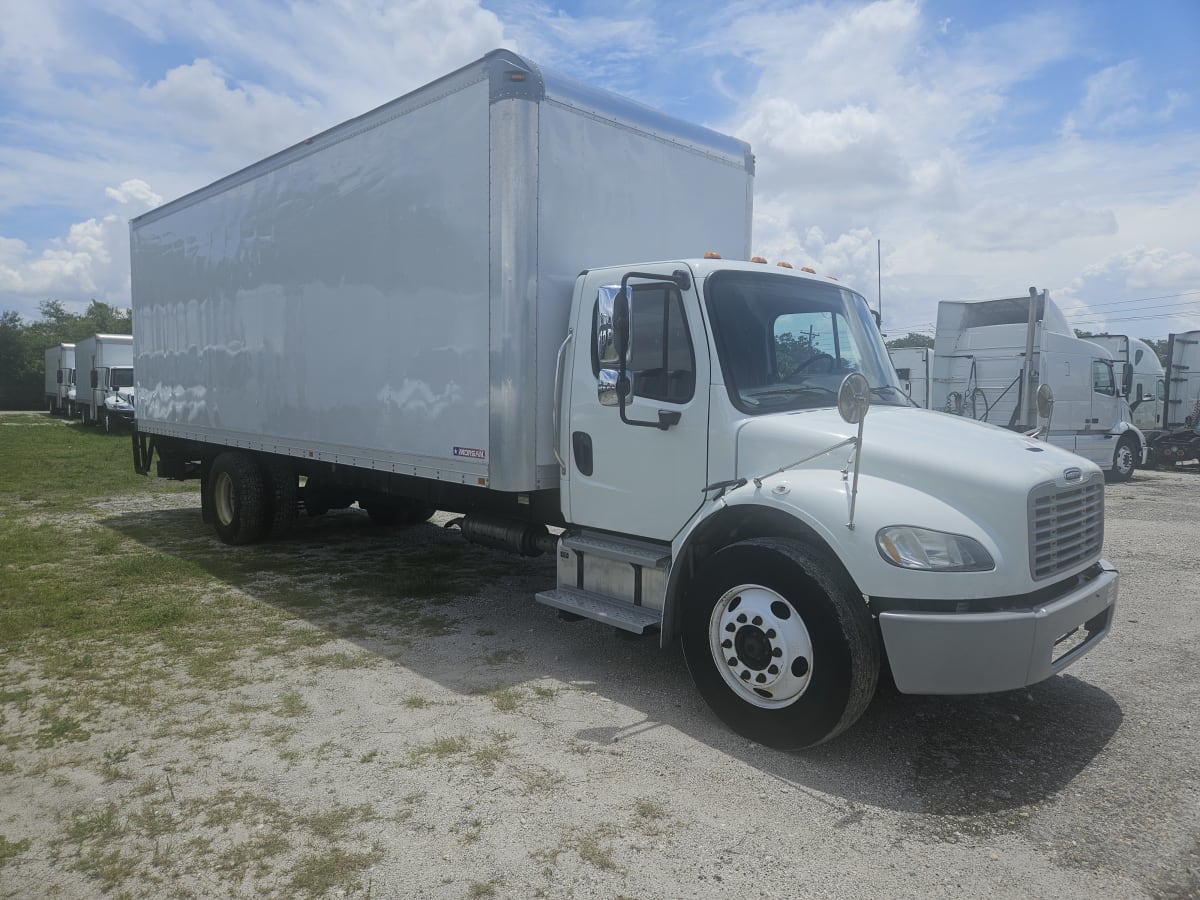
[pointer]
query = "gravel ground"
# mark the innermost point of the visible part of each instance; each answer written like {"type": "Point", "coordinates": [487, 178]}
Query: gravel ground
{"type": "Point", "coordinates": [482, 747]}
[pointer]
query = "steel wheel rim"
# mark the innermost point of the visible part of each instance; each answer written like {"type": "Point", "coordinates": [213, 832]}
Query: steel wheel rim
{"type": "Point", "coordinates": [761, 646]}
{"type": "Point", "coordinates": [223, 502]}
{"type": "Point", "coordinates": [1124, 459]}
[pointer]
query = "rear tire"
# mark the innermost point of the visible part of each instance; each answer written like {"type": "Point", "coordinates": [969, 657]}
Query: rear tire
{"type": "Point", "coordinates": [780, 644]}
{"type": "Point", "coordinates": [280, 483]}
{"type": "Point", "coordinates": [87, 415]}
{"type": "Point", "coordinates": [238, 498]}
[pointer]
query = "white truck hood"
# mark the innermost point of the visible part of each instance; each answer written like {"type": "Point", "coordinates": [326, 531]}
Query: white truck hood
{"type": "Point", "coordinates": [926, 450]}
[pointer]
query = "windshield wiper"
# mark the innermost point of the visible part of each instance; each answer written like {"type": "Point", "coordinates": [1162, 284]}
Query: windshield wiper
{"type": "Point", "coordinates": [787, 392]}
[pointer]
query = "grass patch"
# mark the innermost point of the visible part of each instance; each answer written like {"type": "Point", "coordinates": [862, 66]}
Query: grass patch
{"type": "Point", "coordinates": [10, 850]}
{"type": "Point", "coordinates": [442, 748]}
{"type": "Point", "coordinates": [316, 874]}
{"type": "Point", "coordinates": [506, 699]}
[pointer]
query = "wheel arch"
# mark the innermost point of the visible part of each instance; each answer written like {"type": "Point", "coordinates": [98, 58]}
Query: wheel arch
{"type": "Point", "coordinates": [730, 525]}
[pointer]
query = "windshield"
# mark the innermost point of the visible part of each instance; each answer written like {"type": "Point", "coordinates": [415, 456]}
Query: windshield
{"type": "Point", "coordinates": [786, 343]}
{"type": "Point", "coordinates": [121, 377]}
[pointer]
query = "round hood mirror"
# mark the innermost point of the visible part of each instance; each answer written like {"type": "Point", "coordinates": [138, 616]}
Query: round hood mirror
{"type": "Point", "coordinates": [854, 396]}
{"type": "Point", "coordinates": [1045, 400]}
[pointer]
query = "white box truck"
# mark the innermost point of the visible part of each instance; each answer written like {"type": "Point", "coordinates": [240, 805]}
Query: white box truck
{"type": "Point", "coordinates": [979, 370]}
{"type": "Point", "coordinates": [104, 383]}
{"type": "Point", "coordinates": [452, 302]}
{"type": "Point", "coordinates": [60, 367]}
{"type": "Point", "coordinates": [914, 368]}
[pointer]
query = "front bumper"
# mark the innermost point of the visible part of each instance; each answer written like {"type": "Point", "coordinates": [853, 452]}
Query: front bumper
{"type": "Point", "coordinates": [980, 653]}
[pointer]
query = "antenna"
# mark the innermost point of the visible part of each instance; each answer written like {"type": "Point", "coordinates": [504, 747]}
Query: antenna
{"type": "Point", "coordinates": [879, 281]}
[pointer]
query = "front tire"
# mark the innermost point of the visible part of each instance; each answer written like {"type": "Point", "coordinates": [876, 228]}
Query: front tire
{"type": "Point", "coordinates": [106, 421]}
{"type": "Point", "coordinates": [1124, 459]}
{"type": "Point", "coordinates": [780, 644]}
{"type": "Point", "coordinates": [237, 498]}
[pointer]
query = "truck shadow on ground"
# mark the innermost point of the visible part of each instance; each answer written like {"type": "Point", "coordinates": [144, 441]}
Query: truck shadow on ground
{"type": "Point", "coordinates": [425, 599]}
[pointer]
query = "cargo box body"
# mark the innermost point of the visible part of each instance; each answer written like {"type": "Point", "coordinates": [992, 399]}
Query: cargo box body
{"type": "Point", "coordinates": [60, 364]}
{"type": "Point", "coordinates": [392, 293]}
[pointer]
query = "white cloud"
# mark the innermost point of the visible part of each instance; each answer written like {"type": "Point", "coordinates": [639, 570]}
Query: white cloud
{"type": "Point", "coordinates": [90, 263]}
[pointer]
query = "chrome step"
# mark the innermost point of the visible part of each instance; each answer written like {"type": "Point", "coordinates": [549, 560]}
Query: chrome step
{"type": "Point", "coordinates": [626, 616]}
{"type": "Point", "coordinates": [639, 553]}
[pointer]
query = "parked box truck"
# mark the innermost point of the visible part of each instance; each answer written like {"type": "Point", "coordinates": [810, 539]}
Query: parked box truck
{"type": "Point", "coordinates": [914, 368]}
{"type": "Point", "coordinates": [980, 371]}
{"type": "Point", "coordinates": [486, 297]}
{"type": "Point", "coordinates": [104, 386]}
{"type": "Point", "coordinates": [60, 367]}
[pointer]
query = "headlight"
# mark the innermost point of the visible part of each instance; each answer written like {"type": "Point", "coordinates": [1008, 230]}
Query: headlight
{"type": "Point", "coordinates": [910, 547]}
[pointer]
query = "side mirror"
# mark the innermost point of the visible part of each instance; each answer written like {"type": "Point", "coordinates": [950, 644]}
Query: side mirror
{"type": "Point", "coordinates": [59, 376]}
{"type": "Point", "coordinates": [1126, 379]}
{"type": "Point", "coordinates": [854, 398]}
{"type": "Point", "coordinates": [1045, 400]}
{"type": "Point", "coordinates": [95, 379]}
{"type": "Point", "coordinates": [620, 324]}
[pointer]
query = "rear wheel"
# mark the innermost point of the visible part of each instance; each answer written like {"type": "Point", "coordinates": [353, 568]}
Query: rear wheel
{"type": "Point", "coordinates": [87, 415]}
{"type": "Point", "coordinates": [1124, 458]}
{"type": "Point", "coordinates": [780, 644]}
{"type": "Point", "coordinates": [281, 489]}
{"type": "Point", "coordinates": [237, 498]}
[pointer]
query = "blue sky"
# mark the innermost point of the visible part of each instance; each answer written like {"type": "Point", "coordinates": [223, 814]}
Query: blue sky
{"type": "Point", "coordinates": [986, 147]}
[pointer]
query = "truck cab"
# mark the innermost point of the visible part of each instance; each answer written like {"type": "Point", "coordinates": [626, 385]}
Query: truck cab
{"type": "Point", "coordinates": [716, 488]}
{"type": "Point", "coordinates": [117, 385]}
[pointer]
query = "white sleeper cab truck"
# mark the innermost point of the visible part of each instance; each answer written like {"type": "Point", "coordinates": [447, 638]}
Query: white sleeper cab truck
{"type": "Point", "coordinates": [104, 391]}
{"type": "Point", "coordinates": [979, 371]}
{"type": "Point", "coordinates": [60, 368]}
{"type": "Point", "coordinates": [1179, 440]}
{"type": "Point", "coordinates": [723, 444]}
{"type": "Point", "coordinates": [1148, 394]}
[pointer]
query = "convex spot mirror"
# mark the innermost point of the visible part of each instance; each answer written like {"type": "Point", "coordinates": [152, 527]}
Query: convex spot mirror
{"type": "Point", "coordinates": [1045, 400]}
{"type": "Point", "coordinates": [854, 398]}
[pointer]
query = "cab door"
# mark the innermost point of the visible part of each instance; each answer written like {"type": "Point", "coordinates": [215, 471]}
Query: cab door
{"type": "Point", "coordinates": [644, 477]}
{"type": "Point", "coordinates": [1096, 442]}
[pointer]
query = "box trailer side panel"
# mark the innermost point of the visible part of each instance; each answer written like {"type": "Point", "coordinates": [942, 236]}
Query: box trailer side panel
{"type": "Point", "coordinates": [334, 305]}
{"type": "Point", "coordinates": [393, 293]}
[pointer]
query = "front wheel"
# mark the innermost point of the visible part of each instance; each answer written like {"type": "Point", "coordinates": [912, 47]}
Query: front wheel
{"type": "Point", "coordinates": [1124, 458]}
{"type": "Point", "coordinates": [106, 420]}
{"type": "Point", "coordinates": [780, 644]}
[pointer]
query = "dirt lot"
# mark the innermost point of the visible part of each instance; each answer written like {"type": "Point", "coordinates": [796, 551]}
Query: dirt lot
{"type": "Point", "coordinates": [388, 713]}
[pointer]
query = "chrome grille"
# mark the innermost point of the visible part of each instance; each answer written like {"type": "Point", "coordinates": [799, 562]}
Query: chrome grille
{"type": "Point", "coordinates": [1066, 526]}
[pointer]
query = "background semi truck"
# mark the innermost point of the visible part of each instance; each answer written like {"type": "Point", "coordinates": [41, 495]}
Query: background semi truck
{"type": "Point", "coordinates": [486, 297]}
{"type": "Point", "coordinates": [60, 366]}
{"type": "Point", "coordinates": [1148, 393]}
{"type": "Point", "coordinates": [979, 371]}
{"type": "Point", "coordinates": [104, 383]}
{"type": "Point", "coordinates": [1179, 438]}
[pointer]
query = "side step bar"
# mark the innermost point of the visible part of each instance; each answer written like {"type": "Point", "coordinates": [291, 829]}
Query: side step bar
{"type": "Point", "coordinates": [626, 616]}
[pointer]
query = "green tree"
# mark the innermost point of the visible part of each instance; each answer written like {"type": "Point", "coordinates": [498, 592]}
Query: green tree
{"type": "Point", "coordinates": [912, 339]}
